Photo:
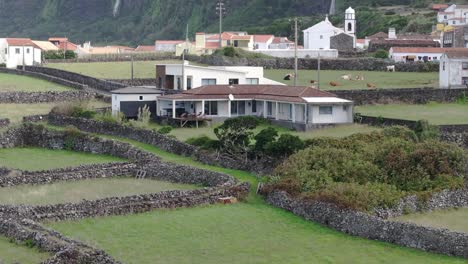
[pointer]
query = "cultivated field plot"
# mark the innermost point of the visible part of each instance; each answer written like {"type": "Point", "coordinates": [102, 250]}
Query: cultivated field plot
{"type": "Point", "coordinates": [113, 70]}
{"type": "Point", "coordinates": [37, 159]}
{"type": "Point", "coordinates": [90, 189]}
{"type": "Point", "coordinates": [16, 112]}
{"type": "Point", "coordinates": [379, 79]}
{"type": "Point", "coordinates": [17, 83]}
{"type": "Point", "coordinates": [435, 113]}
{"type": "Point", "coordinates": [12, 253]}
{"type": "Point", "coordinates": [453, 219]}
{"type": "Point", "coordinates": [249, 232]}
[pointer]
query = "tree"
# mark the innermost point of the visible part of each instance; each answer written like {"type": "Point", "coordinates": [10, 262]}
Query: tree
{"type": "Point", "coordinates": [381, 54]}
{"type": "Point", "coordinates": [235, 135]}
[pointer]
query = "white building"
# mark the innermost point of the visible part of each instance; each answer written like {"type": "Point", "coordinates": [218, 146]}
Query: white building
{"type": "Point", "coordinates": [129, 100]}
{"type": "Point", "coordinates": [169, 76]}
{"type": "Point", "coordinates": [167, 45]}
{"type": "Point", "coordinates": [16, 51]}
{"type": "Point", "coordinates": [453, 71]}
{"type": "Point", "coordinates": [301, 108]}
{"type": "Point", "coordinates": [318, 36]}
{"type": "Point", "coordinates": [263, 41]}
{"type": "Point", "coordinates": [422, 54]}
{"type": "Point", "coordinates": [454, 15]}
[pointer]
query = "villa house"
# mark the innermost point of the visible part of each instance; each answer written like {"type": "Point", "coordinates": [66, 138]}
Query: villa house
{"type": "Point", "coordinates": [453, 71]}
{"type": "Point", "coordinates": [301, 108]}
{"type": "Point", "coordinates": [186, 77]}
{"type": "Point", "coordinates": [18, 51]}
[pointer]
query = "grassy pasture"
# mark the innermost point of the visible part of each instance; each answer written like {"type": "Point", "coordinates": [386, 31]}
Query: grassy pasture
{"type": "Point", "coordinates": [36, 159]}
{"type": "Point", "coordinates": [453, 219]}
{"type": "Point", "coordinates": [249, 232]}
{"type": "Point", "coordinates": [435, 113]}
{"type": "Point", "coordinates": [91, 189]}
{"type": "Point", "coordinates": [12, 253]}
{"type": "Point", "coordinates": [18, 83]}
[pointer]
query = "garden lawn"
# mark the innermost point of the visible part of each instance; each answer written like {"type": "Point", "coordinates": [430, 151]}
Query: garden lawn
{"type": "Point", "coordinates": [453, 219]}
{"type": "Point", "coordinates": [36, 159]}
{"type": "Point", "coordinates": [12, 253]}
{"type": "Point", "coordinates": [248, 232]}
{"type": "Point", "coordinates": [90, 189]}
{"type": "Point", "coordinates": [18, 83]}
{"type": "Point", "coordinates": [16, 112]}
{"type": "Point", "coordinates": [113, 70]}
{"type": "Point", "coordinates": [435, 113]}
{"type": "Point", "coordinates": [380, 79]}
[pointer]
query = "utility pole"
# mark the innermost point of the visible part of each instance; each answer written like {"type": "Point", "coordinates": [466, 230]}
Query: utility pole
{"type": "Point", "coordinates": [221, 11]}
{"type": "Point", "coordinates": [131, 56]}
{"type": "Point", "coordinates": [295, 51]}
{"type": "Point", "coordinates": [318, 71]}
{"type": "Point", "coordinates": [24, 67]}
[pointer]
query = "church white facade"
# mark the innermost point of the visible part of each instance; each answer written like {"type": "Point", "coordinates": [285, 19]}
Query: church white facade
{"type": "Point", "coordinates": [318, 36]}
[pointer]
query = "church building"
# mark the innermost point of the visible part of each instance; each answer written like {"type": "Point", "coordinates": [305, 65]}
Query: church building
{"type": "Point", "coordinates": [326, 36]}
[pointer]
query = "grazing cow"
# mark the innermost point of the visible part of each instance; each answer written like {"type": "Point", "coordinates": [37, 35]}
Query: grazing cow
{"type": "Point", "coordinates": [334, 84]}
{"type": "Point", "coordinates": [313, 81]}
{"type": "Point", "coordinates": [371, 85]}
{"type": "Point", "coordinates": [391, 68]}
{"type": "Point", "coordinates": [288, 77]}
{"type": "Point", "coordinates": [360, 77]}
{"type": "Point", "coordinates": [347, 77]}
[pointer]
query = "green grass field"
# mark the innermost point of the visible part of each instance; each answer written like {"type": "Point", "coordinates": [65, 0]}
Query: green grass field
{"type": "Point", "coordinates": [18, 83]}
{"type": "Point", "coordinates": [113, 70]}
{"type": "Point", "coordinates": [11, 253]}
{"type": "Point", "coordinates": [35, 159]}
{"type": "Point", "coordinates": [91, 189]}
{"type": "Point", "coordinates": [16, 112]}
{"type": "Point", "coordinates": [453, 219]}
{"type": "Point", "coordinates": [435, 113]}
{"type": "Point", "coordinates": [249, 232]}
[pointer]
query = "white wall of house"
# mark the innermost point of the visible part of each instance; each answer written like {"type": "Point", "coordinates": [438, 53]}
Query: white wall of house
{"type": "Point", "coordinates": [12, 56]}
{"type": "Point", "coordinates": [301, 53]}
{"type": "Point", "coordinates": [165, 47]}
{"type": "Point", "coordinates": [452, 73]}
{"type": "Point", "coordinates": [117, 98]}
{"type": "Point", "coordinates": [401, 57]}
{"type": "Point", "coordinates": [318, 36]}
{"type": "Point", "coordinates": [341, 114]}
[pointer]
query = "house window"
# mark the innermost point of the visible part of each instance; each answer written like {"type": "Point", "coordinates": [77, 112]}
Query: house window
{"type": "Point", "coordinates": [234, 106]}
{"type": "Point", "coordinates": [17, 51]}
{"type": "Point", "coordinates": [242, 108]}
{"type": "Point", "coordinates": [443, 66]}
{"type": "Point", "coordinates": [326, 110]}
{"type": "Point", "coordinates": [445, 17]}
{"type": "Point", "coordinates": [465, 65]}
{"type": "Point", "coordinates": [236, 43]}
{"type": "Point", "coordinates": [208, 81]}
{"type": "Point", "coordinates": [345, 108]}
{"type": "Point", "coordinates": [141, 98]}
{"type": "Point", "coordinates": [189, 83]}
{"type": "Point", "coordinates": [178, 83]}
{"type": "Point", "coordinates": [434, 58]}
{"type": "Point", "coordinates": [211, 108]}
{"type": "Point", "coordinates": [6, 51]}
{"type": "Point", "coordinates": [27, 50]}
{"type": "Point", "coordinates": [233, 81]}
{"type": "Point", "coordinates": [254, 106]}
{"type": "Point", "coordinates": [160, 82]}
{"type": "Point", "coordinates": [321, 36]}
{"type": "Point", "coordinates": [253, 81]}
{"type": "Point", "coordinates": [269, 108]}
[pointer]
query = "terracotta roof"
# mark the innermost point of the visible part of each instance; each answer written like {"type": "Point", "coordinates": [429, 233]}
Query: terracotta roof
{"type": "Point", "coordinates": [212, 45]}
{"type": "Point", "coordinates": [425, 50]}
{"type": "Point", "coordinates": [414, 42]}
{"type": "Point", "coordinates": [45, 45]}
{"type": "Point", "coordinates": [262, 38]}
{"type": "Point", "coordinates": [439, 6]}
{"type": "Point", "coordinates": [20, 42]}
{"type": "Point", "coordinates": [145, 48]}
{"type": "Point", "coordinates": [58, 39]}
{"type": "Point", "coordinates": [378, 35]}
{"type": "Point", "coordinates": [457, 54]}
{"type": "Point", "coordinates": [175, 42]}
{"type": "Point", "coordinates": [257, 92]}
{"type": "Point", "coordinates": [278, 40]}
{"type": "Point", "coordinates": [360, 41]}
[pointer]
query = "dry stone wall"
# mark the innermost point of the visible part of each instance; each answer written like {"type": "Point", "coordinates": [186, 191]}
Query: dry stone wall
{"type": "Point", "coordinates": [44, 97]}
{"type": "Point", "coordinates": [49, 78]}
{"type": "Point", "coordinates": [4, 122]}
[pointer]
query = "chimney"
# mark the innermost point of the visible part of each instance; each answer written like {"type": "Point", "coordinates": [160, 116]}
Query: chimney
{"type": "Point", "coordinates": [392, 33]}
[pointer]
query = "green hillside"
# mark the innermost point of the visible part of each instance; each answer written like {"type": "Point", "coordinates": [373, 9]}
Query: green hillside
{"type": "Point", "coordinates": [142, 21]}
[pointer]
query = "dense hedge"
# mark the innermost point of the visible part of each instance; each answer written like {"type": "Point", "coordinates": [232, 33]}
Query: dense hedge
{"type": "Point", "coordinates": [366, 171]}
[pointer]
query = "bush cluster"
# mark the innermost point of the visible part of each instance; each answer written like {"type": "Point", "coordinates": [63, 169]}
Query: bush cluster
{"type": "Point", "coordinates": [365, 171]}
{"type": "Point", "coordinates": [78, 109]}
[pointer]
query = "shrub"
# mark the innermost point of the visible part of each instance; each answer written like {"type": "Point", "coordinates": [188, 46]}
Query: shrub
{"type": "Point", "coordinates": [381, 54]}
{"type": "Point", "coordinates": [204, 142]}
{"type": "Point", "coordinates": [109, 117]}
{"type": "Point", "coordinates": [265, 137]}
{"type": "Point", "coordinates": [425, 131]}
{"type": "Point", "coordinates": [144, 115]}
{"type": "Point", "coordinates": [76, 109]}
{"type": "Point", "coordinates": [286, 145]}
{"type": "Point", "coordinates": [165, 130]}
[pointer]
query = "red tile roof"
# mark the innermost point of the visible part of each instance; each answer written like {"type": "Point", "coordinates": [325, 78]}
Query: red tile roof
{"type": "Point", "coordinates": [425, 50]}
{"type": "Point", "coordinates": [457, 54]}
{"type": "Point", "coordinates": [360, 41]}
{"type": "Point", "coordinates": [278, 40]}
{"type": "Point", "coordinates": [378, 35]}
{"type": "Point", "coordinates": [172, 42]}
{"type": "Point", "coordinates": [145, 48]}
{"type": "Point", "coordinates": [20, 42]}
{"type": "Point", "coordinates": [439, 6]}
{"type": "Point", "coordinates": [259, 92]}
{"type": "Point", "coordinates": [262, 38]}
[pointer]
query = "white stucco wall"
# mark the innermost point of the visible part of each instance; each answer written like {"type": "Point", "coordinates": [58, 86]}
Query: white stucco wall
{"type": "Point", "coordinates": [452, 76]}
{"type": "Point", "coordinates": [339, 115]}
{"type": "Point", "coordinates": [117, 98]}
{"type": "Point", "coordinates": [400, 57]}
{"type": "Point", "coordinates": [32, 55]}
{"type": "Point", "coordinates": [318, 36]}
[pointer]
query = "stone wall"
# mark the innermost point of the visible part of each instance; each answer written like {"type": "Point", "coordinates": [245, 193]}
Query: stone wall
{"type": "Point", "coordinates": [91, 82]}
{"type": "Point", "coordinates": [136, 82]}
{"type": "Point", "coordinates": [140, 56]}
{"type": "Point", "coordinates": [4, 122]}
{"type": "Point", "coordinates": [44, 97]}
{"type": "Point", "coordinates": [440, 241]}
{"type": "Point", "coordinates": [45, 77]}
{"type": "Point", "coordinates": [35, 118]}
{"type": "Point", "coordinates": [411, 96]}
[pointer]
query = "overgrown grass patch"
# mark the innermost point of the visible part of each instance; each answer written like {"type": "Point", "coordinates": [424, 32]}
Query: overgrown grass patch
{"type": "Point", "coordinates": [435, 113]}
{"type": "Point", "coordinates": [36, 159]}
{"type": "Point", "coordinates": [18, 83]}
{"type": "Point", "coordinates": [381, 80]}
{"type": "Point", "coordinates": [11, 253]}
{"type": "Point", "coordinates": [90, 189]}
{"type": "Point", "coordinates": [453, 219]}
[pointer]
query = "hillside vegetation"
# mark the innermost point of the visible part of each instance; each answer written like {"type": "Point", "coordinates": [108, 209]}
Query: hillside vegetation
{"type": "Point", "coordinates": [142, 21]}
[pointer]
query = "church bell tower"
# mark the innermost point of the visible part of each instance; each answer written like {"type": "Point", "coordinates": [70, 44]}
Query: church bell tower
{"type": "Point", "coordinates": [350, 21]}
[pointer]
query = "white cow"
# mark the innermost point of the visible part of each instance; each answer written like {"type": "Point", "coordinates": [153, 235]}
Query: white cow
{"type": "Point", "coordinates": [347, 77]}
{"type": "Point", "coordinates": [391, 68]}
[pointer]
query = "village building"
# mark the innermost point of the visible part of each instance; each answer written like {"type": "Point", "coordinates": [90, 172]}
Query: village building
{"type": "Point", "coordinates": [145, 48]}
{"type": "Point", "coordinates": [300, 108]}
{"type": "Point", "coordinates": [453, 71]}
{"type": "Point", "coordinates": [186, 76]}
{"type": "Point", "coordinates": [167, 45]}
{"type": "Point", "coordinates": [129, 100]}
{"type": "Point", "coordinates": [453, 15]}
{"type": "Point", "coordinates": [319, 36]}
{"type": "Point", "coordinates": [455, 36]}
{"type": "Point", "coordinates": [263, 41]}
{"type": "Point", "coordinates": [45, 45]}
{"type": "Point", "coordinates": [16, 52]}
{"type": "Point", "coordinates": [415, 54]}
{"type": "Point", "coordinates": [64, 44]}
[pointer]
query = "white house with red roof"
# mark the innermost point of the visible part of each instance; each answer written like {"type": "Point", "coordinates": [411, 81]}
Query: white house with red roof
{"type": "Point", "coordinates": [301, 108]}
{"type": "Point", "coordinates": [64, 43]}
{"type": "Point", "coordinates": [453, 15]}
{"type": "Point", "coordinates": [422, 54]}
{"type": "Point", "coordinates": [263, 41]}
{"type": "Point", "coordinates": [18, 52]}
